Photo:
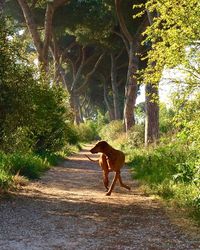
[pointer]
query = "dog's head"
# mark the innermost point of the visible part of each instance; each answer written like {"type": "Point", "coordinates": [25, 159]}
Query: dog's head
{"type": "Point", "coordinates": [99, 147]}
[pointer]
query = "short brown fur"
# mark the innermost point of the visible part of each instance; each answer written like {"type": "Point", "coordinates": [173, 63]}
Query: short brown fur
{"type": "Point", "coordinates": [110, 160]}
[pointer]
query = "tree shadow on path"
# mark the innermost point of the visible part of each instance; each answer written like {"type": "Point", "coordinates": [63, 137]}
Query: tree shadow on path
{"type": "Point", "coordinates": [68, 209]}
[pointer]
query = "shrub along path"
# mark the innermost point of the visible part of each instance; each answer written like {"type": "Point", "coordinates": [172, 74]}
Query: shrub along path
{"type": "Point", "coordinates": [68, 209]}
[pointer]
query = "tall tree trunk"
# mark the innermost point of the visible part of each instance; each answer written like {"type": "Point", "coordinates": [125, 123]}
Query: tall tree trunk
{"type": "Point", "coordinates": [2, 3]}
{"type": "Point", "coordinates": [152, 114]}
{"type": "Point", "coordinates": [76, 109]}
{"type": "Point", "coordinates": [114, 87]}
{"type": "Point", "coordinates": [131, 89]}
{"type": "Point", "coordinates": [59, 72]}
{"type": "Point", "coordinates": [109, 108]}
{"type": "Point", "coordinates": [30, 22]}
{"type": "Point", "coordinates": [131, 83]}
{"type": "Point", "coordinates": [47, 34]}
{"type": "Point", "coordinates": [42, 47]}
{"type": "Point", "coordinates": [151, 104]}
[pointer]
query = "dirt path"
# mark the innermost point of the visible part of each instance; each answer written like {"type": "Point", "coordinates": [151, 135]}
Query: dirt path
{"type": "Point", "coordinates": [68, 209]}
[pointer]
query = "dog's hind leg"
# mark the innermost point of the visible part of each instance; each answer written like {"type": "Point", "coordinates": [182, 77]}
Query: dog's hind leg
{"type": "Point", "coordinates": [113, 183]}
{"type": "Point", "coordinates": [122, 184]}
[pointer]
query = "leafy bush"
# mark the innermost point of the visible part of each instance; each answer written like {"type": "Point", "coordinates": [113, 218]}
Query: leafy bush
{"type": "Point", "coordinates": [115, 135]}
{"type": "Point", "coordinates": [187, 119]}
{"type": "Point", "coordinates": [38, 119]}
{"type": "Point", "coordinates": [72, 135]}
{"type": "Point", "coordinates": [34, 115]}
{"type": "Point", "coordinates": [111, 131]}
{"type": "Point", "coordinates": [157, 164]}
{"type": "Point", "coordinates": [171, 170]}
{"type": "Point", "coordinates": [20, 140]}
{"type": "Point", "coordinates": [5, 176]}
{"type": "Point", "coordinates": [52, 158]}
{"type": "Point", "coordinates": [87, 131]}
{"type": "Point", "coordinates": [135, 136]}
{"type": "Point", "coordinates": [5, 180]}
{"type": "Point", "coordinates": [28, 165]}
{"type": "Point", "coordinates": [166, 116]}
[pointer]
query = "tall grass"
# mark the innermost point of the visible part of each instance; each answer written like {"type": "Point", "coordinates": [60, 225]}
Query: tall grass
{"type": "Point", "coordinates": [27, 165]}
{"type": "Point", "coordinates": [5, 180]}
{"type": "Point", "coordinates": [172, 171]}
{"type": "Point", "coordinates": [20, 166]}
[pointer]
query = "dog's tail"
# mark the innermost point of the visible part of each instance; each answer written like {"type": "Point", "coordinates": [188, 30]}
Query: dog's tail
{"type": "Point", "coordinates": [91, 159]}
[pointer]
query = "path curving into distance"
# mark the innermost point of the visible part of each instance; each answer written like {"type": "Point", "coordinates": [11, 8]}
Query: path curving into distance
{"type": "Point", "coordinates": [68, 209]}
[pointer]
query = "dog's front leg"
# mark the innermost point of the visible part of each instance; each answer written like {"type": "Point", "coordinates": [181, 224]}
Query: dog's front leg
{"type": "Point", "coordinates": [105, 179]}
{"type": "Point", "coordinates": [113, 183]}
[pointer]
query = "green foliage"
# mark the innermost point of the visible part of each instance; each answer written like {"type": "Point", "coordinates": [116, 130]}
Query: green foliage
{"type": "Point", "coordinates": [87, 131]}
{"type": "Point", "coordinates": [187, 117]}
{"type": "Point", "coordinates": [40, 112]}
{"type": "Point", "coordinates": [19, 140]}
{"type": "Point", "coordinates": [28, 165]}
{"type": "Point", "coordinates": [90, 22]}
{"type": "Point", "coordinates": [101, 119]}
{"type": "Point", "coordinates": [135, 137]}
{"type": "Point", "coordinates": [166, 116]}
{"type": "Point", "coordinates": [52, 158]}
{"type": "Point", "coordinates": [5, 176]}
{"type": "Point", "coordinates": [115, 135]}
{"type": "Point", "coordinates": [155, 165]}
{"type": "Point", "coordinates": [173, 29]}
{"type": "Point", "coordinates": [171, 170]}
{"type": "Point", "coordinates": [35, 118]}
{"type": "Point", "coordinates": [5, 180]}
{"type": "Point", "coordinates": [34, 115]}
{"type": "Point", "coordinates": [111, 131]}
{"type": "Point", "coordinates": [140, 113]}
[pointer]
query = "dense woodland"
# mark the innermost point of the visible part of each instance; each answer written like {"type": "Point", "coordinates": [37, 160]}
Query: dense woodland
{"type": "Point", "coordinates": [71, 72]}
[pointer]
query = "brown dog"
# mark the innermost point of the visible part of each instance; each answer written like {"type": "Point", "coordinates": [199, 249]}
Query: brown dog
{"type": "Point", "coordinates": [110, 160]}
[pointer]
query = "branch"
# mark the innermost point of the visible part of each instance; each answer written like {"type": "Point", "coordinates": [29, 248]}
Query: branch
{"type": "Point", "coordinates": [124, 40]}
{"type": "Point", "coordinates": [79, 56]}
{"type": "Point", "coordinates": [58, 3]}
{"type": "Point", "coordinates": [119, 54]}
{"type": "Point", "coordinates": [66, 49]}
{"type": "Point", "coordinates": [142, 27]}
{"type": "Point", "coordinates": [28, 16]}
{"type": "Point", "coordinates": [122, 66]}
{"type": "Point", "coordinates": [90, 73]}
{"type": "Point", "coordinates": [79, 70]}
{"type": "Point", "coordinates": [47, 28]}
{"type": "Point", "coordinates": [120, 82]}
{"type": "Point", "coordinates": [33, 4]}
{"type": "Point", "coordinates": [121, 20]}
{"type": "Point", "coordinates": [2, 3]}
{"type": "Point", "coordinates": [150, 16]}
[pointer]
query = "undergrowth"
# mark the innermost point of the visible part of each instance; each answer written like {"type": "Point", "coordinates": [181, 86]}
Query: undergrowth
{"type": "Point", "coordinates": [17, 168]}
{"type": "Point", "coordinates": [172, 172]}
